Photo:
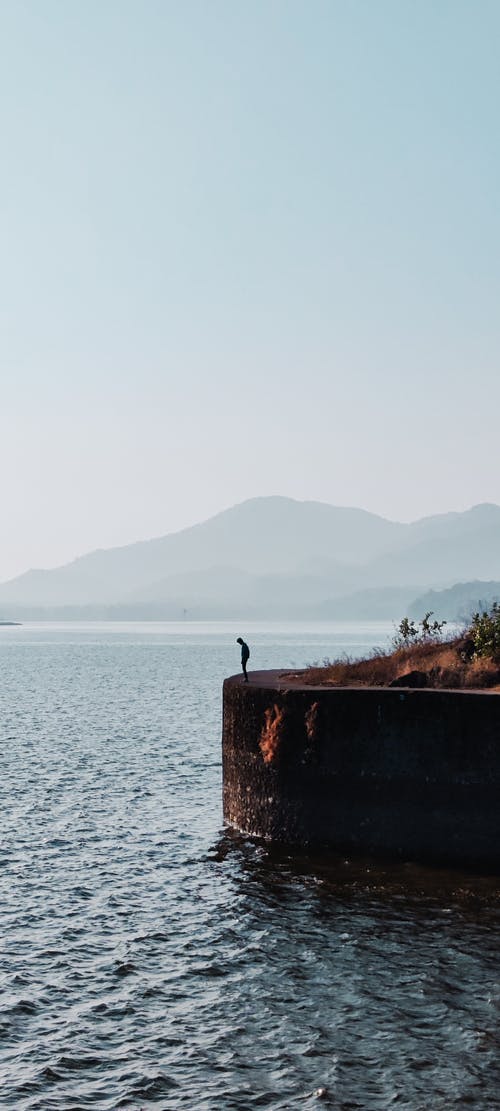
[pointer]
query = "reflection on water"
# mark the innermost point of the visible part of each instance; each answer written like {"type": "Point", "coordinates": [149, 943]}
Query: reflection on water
{"type": "Point", "coordinates": [342, 876]}
{"type": "Point", "coordinates": [150, 961]}
{"type": "Point", "coordinates": [384, 977]}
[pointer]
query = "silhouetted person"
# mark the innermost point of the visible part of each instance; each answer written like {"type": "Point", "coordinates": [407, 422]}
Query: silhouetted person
{"type": "Point", "coordinates": [245, 656]}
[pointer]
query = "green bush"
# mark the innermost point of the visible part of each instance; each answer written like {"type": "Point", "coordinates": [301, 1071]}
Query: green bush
{"type": "Point", "coordinates": [485, 633]}
{"type": "Point", "coordinates": [408, 633]}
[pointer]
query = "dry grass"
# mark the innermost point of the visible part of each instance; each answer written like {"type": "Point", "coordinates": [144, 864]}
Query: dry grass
{"type": "Point", "coordinates": [437, 664]}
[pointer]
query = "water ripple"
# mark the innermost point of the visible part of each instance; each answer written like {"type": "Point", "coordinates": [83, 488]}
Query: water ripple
{"type": "Point", "coordinates": [148, 960]}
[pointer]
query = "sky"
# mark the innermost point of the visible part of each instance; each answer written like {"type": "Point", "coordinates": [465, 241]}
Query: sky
{"type": "Point", "coordinates": [245, 249]}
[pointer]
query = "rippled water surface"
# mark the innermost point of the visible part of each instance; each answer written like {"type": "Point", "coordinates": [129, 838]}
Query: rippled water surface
{"type": "Point", "coordinates": [150, 959]}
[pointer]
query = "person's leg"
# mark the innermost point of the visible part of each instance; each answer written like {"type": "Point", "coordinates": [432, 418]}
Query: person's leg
{"type": "Point", "coordinates": [244, 666]}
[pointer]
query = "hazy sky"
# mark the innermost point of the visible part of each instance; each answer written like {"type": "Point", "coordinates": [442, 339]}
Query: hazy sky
{"type": "Point", "coordinates": [246, 248]}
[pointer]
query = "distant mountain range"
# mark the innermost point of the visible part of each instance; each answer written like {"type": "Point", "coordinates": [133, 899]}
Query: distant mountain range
{"type": "Point", "coordinates": [271, 557]}
{"type": "Point", "coordinates": [458, 603]}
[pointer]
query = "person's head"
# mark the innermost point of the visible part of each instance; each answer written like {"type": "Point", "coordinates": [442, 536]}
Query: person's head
{"type": "Point", "coordinates": [239, 640]}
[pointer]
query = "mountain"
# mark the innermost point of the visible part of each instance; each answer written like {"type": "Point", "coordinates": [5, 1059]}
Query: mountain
{"type": "Point", "coordinates": [458, 603]}
{"type": "Point", "coordinates": [276, 557]}
{"type": "Point", "coordinates": [438, 552]}
{"type": "Point", "coordinates": [261, 536]}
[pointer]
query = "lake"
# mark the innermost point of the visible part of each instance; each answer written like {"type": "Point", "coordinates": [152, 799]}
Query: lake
{"type": "Point", "coordinates": [151, 959]}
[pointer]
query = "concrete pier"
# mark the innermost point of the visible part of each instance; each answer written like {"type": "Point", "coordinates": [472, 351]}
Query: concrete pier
{"type": "Point", "coordinates": [386, 771]}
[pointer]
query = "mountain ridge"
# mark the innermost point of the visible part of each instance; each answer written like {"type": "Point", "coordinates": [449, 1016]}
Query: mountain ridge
{"type": "Point", "coordinates": [267, 548]}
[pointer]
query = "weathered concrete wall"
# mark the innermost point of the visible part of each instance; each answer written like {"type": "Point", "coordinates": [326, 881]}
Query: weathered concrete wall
{"type": "Point", "coordinates": [412, 773]}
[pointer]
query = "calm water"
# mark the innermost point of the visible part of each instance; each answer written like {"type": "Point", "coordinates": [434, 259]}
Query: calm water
{"type": "Point", "coordinates": [149, 959]}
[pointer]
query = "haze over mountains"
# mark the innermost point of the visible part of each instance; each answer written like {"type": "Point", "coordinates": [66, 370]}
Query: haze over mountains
{"type": "Point", "coordinates": [271, 557]}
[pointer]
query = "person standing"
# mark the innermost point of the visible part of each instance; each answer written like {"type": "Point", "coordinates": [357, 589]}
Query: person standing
{"type": "Point", "coordinates": [245, 656]}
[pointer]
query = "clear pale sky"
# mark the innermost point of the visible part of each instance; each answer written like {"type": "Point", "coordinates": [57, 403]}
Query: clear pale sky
{"type": "Point", "coordinates": [246, 248]}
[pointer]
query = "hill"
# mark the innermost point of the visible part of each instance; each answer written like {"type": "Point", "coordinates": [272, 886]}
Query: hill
{"type": "Point", "coordinates": [263, 536]}
{"type": "Point", "coordinates": [458, 603]}
{"type": "Point", "coordinates": [271, 557]}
